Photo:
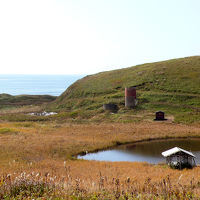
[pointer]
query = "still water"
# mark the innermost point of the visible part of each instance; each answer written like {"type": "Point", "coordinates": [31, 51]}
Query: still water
{"type": "Point", "coordinates": [16, 84]}
{"type": "Point", "coordinates": [145, 151]}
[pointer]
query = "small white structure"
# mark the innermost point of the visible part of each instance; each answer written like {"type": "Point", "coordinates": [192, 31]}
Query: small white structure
{"type": "Point", "coordinates": [179, 158]}
{"type": "Point", "coordinates": [43, 113]}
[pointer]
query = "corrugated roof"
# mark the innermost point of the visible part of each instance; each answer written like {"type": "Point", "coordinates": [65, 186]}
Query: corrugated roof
{"type": "Point", "coordinates": [176, 150]}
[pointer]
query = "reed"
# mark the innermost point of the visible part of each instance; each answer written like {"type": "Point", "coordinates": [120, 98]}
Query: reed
{"type": "Point", "coordinates": [46, 149]}
{"type": "Point", "coordinates": [102, 181]}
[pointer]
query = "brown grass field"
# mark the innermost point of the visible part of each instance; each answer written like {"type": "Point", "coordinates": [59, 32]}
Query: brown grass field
{"type": "Point", "coordinates": [41, 154]}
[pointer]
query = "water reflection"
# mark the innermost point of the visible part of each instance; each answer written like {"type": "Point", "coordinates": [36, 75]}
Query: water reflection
{"type": "Point", "coordinates": [145, 151]}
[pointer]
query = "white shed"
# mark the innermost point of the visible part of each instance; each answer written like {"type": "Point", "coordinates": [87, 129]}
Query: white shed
{"type": "Point", "coordinates": [179, 158]}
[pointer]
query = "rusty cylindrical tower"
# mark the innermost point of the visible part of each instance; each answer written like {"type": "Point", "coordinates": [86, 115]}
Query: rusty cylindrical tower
{"type": "Point", "coordinates": [130, 97]}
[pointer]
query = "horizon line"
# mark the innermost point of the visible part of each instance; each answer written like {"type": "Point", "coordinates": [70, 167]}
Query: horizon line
{"type": "Point", "coordinates": [48, 74]}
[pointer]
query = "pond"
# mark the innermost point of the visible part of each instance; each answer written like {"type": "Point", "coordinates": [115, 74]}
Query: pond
{"type": "Point", "coordinates": [145, 151]}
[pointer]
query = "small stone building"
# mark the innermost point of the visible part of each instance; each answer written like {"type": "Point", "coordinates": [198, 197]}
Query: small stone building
{"type": "Point", "coordinates": [179, 158]}
{"type": "Point", "coordinates": [160, 115]}
{"type": "Point", "coordinates": [111, 107]}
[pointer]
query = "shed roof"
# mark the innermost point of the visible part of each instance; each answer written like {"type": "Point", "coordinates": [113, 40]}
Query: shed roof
{"type": "Point", "coordinates": [176, 150]}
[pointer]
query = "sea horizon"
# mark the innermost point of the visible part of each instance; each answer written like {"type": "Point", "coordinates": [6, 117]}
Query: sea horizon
{"type": "Point", "coordinates": [36, 84]}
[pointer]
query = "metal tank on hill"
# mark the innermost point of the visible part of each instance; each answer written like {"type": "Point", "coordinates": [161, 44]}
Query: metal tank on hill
{"type": "Point", "coordinates": [130, 97]}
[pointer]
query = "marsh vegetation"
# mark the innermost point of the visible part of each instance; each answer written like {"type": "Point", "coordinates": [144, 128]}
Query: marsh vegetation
{"type": "Point", "coordinates": [37, 161]}
{"type": "Point", "coordinates": [38, 153]}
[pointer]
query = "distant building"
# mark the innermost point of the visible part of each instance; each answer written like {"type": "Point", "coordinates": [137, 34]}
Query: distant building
{"type": "Point", "coordinates": [111, 107]}
{"type": "Point", "coordinates": [160, 115]}
{"type": "Point", "coordinates": [179, 158]}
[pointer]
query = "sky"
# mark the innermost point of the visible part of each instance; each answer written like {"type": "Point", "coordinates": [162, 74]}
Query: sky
{"type": "Point", "coordinates": [90, 36]}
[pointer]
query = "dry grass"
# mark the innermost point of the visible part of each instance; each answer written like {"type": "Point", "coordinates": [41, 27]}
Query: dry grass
{"type": "Point", "coordinates": [20, 109]}
{"type": "Point", "coordinates": [46, 141]}
{"type": "Point", "coordinates": [45, 148]}
{"type": "Point", "coordinates": [102, 180]}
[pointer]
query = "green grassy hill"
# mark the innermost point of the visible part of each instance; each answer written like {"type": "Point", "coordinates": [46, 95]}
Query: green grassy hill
{"type": "Point", "coordinates": [19, 100]}
{"type": "Point", "coordinates": [172, 86]}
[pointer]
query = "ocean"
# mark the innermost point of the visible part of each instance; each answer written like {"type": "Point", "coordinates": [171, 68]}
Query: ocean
{"type": "Point", "coordinates": [36, 84]}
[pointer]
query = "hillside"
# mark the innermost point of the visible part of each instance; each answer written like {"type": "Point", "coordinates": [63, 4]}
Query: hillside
{"type": "Point", "coordinates": [19, 100]}
{"type": "Point", "coordinates": [172, 86]}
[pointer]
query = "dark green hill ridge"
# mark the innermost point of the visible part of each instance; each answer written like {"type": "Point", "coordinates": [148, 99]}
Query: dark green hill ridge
{"type": "Point", "coordinates": [172, 86]}
{"type": "Point", "coordinates": [19, 100]}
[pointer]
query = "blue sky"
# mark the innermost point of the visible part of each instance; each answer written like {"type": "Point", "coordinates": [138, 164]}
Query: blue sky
{"type": "Point", "coordinates": [89, 36]}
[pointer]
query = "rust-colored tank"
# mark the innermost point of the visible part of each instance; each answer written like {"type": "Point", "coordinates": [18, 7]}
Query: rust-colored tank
{"type": "Point", "coordinates": [130, 97]}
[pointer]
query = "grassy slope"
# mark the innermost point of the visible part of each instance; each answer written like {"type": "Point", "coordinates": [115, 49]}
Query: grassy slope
{"type": "Point", "coordinates": [172, 86]}
{"type": "Point", "coordinates": [13, 108]}
{"type": "Point", "coordinates": [9, 100]}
